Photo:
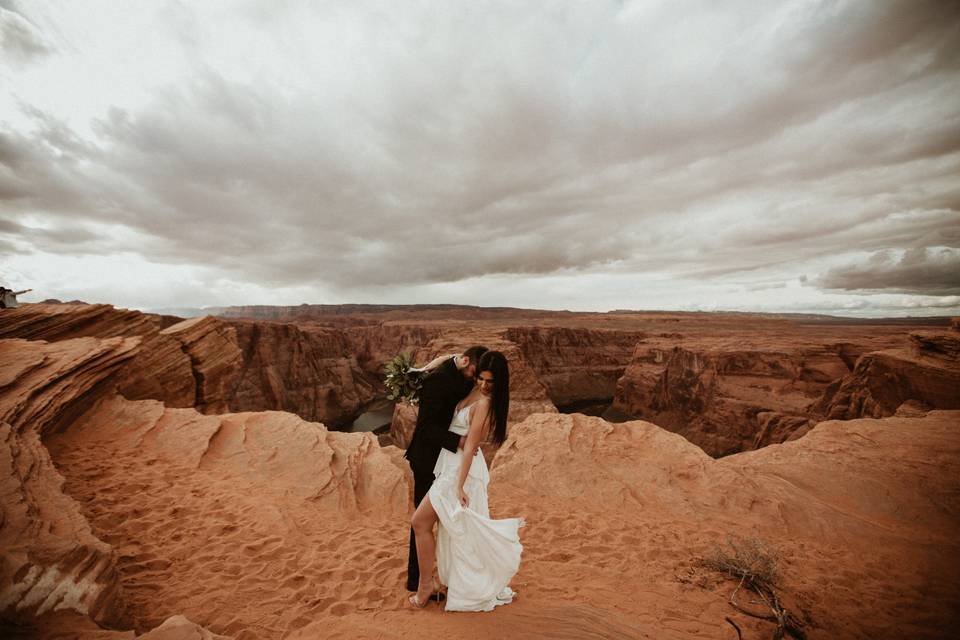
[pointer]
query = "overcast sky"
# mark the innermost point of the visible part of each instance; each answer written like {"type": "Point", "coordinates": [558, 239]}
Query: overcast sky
{"type": "Point", "coordinates": [794, 156]}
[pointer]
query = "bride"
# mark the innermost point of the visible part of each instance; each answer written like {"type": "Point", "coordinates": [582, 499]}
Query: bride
{"type": "Point", "coordinates": [476, 556]}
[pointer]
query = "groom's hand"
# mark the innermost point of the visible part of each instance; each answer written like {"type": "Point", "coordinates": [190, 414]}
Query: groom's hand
{"type": "Point", "coordinates": [463, 442]}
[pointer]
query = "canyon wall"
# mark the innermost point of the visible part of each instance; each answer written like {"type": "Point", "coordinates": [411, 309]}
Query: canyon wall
{"type": "Point", "coordinates": [217, 365]}
{"type": "Point", "coordinates": [248, 366]}
{"type": "Point", "coordinates": [576, 364]}
{"type": "Point", "coordinates": [728, 400]}
{"type": "Point", "coordinates": [926, 371]}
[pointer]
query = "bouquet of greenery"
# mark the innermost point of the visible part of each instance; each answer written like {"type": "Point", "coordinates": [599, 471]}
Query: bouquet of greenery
{"type": "Point", "coordinates": [403, 379]}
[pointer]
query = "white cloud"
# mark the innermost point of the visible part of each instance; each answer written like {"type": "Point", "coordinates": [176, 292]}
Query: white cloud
{"type": "Point", "coordinates": [529, 154]}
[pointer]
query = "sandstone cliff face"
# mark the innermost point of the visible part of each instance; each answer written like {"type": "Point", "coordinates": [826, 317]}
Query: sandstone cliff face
{"type": "Point", "coordinates": [927, 371]}
{"type": "Point", "coordinates": [50, 558]}
{"type": "Point", "coordinates": [240, 366]}
{"type": "Point", "coordinates": [54, 322]}
{"type": "Point", "coordinates": [374, 345]}
{"type": "Point", "coordinates": [403, 424]}
{"type": "Point", "coordinates": [218, 365]}
{"type": "Point", "coordinates": [576, 364]}
{"type": "Point", "coordinates": [727, 400]}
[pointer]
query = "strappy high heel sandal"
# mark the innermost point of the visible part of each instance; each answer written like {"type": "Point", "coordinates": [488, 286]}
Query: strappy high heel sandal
{"type": "Point", "coordinates": [416, 603]}
{"type": "Point", "coordinates": [434, 596]}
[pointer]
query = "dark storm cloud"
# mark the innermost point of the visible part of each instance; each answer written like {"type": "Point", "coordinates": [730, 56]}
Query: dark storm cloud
{"type": "Point", "coordinates": [395, 146]}
{"type": "Point", "coordinates": [924, 271]}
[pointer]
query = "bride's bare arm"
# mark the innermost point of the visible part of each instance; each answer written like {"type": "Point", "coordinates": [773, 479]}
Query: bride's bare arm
{"type": "Point", "coordinates": [479, 418]}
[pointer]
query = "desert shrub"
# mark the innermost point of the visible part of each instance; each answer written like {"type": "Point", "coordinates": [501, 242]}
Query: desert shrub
{"type": "Point", "coordinates": [750, 559]}
{"type": "Point", "coordinates": [756, 567]}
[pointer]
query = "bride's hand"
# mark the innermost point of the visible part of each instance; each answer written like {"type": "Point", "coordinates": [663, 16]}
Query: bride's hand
{"type": "Point", "coordinates": [464, 500]}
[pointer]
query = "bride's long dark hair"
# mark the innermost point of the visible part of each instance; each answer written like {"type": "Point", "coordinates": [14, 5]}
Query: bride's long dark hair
{"type": "Point", "coordinates": [496, 363]}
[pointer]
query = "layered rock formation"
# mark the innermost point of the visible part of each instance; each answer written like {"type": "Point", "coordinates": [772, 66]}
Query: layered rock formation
{"type": "Point", "coordinates": [858, 515]}
{"type": "Point", "coordinates": [50, 557]}
{"type": "Point", "coordinates": [244, 366]}
{"type": "Point", "coordinates": [373, 346]}
{"type": "Point", "coordinates": [217, 365]}
{"type": "Point", "coordinates": [113, 508]}
{"type": "Point", "coordinates": [728, 400]}
{"type": "Point", "coordinates": [576, 365]}
{"type": "Point", "coordinates": [926, 371]}
{"type": "Point", "coordinates": [54, 322]}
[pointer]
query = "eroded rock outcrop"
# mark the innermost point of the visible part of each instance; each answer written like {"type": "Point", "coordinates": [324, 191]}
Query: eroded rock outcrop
{"type": "Point", "coordinates": [217, 365]}
{"type": "Point", "coordinates": [926, 371]}
{"type": "Point", "coordinates": [576, 364]}
{"type": "Point", "coordinates": [860, 515]}
{"type": "Point", "coordinates": [376, 345]}
{"type": "Point", "coordinates": [50, 557]}
{"type": "Point", "coordinates": [246, 366]}
{"type": "Point", "coordinates": [724, 400]}
{"type": "Point", "coordinates": [104, 498]}
{"type": "Point", "coordinates": [52, 322]}
{"type": "Point", "coordinates": [231, 519]}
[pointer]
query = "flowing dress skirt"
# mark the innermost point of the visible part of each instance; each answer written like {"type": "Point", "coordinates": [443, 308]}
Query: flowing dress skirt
{"type": "Point", "coordinates": [476, 556]}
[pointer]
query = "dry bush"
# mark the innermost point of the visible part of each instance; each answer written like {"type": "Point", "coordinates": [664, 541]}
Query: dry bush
{"type": "Point", "coordinates": [748, 558]}
{"type": "Point", "coordinates": [755, 565]}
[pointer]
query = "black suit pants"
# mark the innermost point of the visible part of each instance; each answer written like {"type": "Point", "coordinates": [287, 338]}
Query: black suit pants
{"type": "Point", "coordinates": [421, 486]}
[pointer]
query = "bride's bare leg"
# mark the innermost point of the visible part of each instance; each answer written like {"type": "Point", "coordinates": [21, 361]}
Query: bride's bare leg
{"type": "Point", "coordinates": [422, 522]}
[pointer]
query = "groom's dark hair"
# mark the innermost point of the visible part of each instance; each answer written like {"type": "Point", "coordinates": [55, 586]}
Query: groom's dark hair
{"type": "Point", "coordinates": [475, 353]}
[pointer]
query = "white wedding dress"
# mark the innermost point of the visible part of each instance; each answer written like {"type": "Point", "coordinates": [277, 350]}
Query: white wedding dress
{"type": "Point", "coordinates": [476, 556]}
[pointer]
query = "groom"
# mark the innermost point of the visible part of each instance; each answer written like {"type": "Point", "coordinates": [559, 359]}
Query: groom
{"type": "Point", "coordinates": [442, 390]}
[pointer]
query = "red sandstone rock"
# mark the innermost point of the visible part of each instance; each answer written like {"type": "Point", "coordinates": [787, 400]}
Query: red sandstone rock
{"type": "Point", "coordinates": [626, 509]}
{"type": "Point", "coordinates": [50, 558]}
{"type": "Point", "coordinates": [263, 506]}
{"type": "Point", "coordinates": [54, 322]}
{"type": "Point", "coordinates": [576, 364]}
{"type": "Point", "coordinates": [375, 345]}
{"type": "Point", "coordinates": [240, 366]}
{"type": "Point", "coordinates": [927, 371]}
{"type": "Point", "coordinates": [263, 525]}
{"type": "Point", "coordinates": [723, 400]}
{"type": "Point", "coordinates": [180, 628]}
{"type": "Point", "coordinates": [217, 365]}
{"type": "Point", "coordinates": [403, 424]}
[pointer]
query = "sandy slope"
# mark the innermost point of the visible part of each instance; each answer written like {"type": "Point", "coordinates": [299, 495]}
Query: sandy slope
{"type": "Point", "coordinates": [265, 526]}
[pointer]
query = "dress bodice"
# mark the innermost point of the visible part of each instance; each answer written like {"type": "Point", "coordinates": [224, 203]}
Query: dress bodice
{"type": "Point", "coordinates": [449, 461]}
{"type": "Point", "coordinates": [460, 424]}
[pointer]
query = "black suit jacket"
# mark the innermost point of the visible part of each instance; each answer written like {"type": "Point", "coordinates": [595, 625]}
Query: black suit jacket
{"type": "Point", "coordinates": [442, 389]}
